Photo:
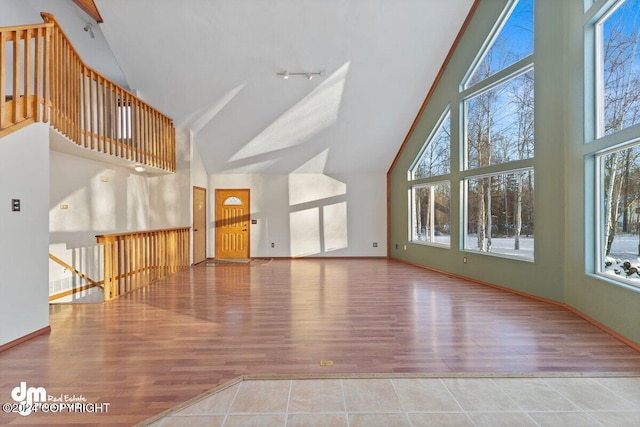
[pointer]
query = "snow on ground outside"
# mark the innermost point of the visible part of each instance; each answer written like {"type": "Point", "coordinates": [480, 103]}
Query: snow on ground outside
{"type": "Point", "coordinates": [624, 249]}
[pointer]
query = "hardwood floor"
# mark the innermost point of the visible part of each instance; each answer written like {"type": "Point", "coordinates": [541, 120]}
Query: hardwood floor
{"type": "Point", "coordinates": [154, 348]}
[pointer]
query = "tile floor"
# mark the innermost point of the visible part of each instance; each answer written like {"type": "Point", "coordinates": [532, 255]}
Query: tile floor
{"type": "Point", "coordinates": [430, 401]}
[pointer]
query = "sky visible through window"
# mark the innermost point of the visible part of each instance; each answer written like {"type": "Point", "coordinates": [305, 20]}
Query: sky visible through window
{"type": "Point", "coordinates": [513, 42]}
{"type": "Point", "coordinates": [621, 67]}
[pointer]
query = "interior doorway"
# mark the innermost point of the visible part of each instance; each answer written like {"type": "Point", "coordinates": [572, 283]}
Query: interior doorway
{"type": "Point", "coordinates": [199, 224]}
{"type": "Point", "coordinates": [232, 223]}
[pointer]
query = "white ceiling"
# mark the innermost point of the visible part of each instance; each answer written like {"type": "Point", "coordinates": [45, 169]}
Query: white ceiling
{"type": "Point", "coordinates": [211, 65]}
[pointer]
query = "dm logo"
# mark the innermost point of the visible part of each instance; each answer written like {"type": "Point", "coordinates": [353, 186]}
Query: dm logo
{"type": "Point", "coordinates": [27, 397]}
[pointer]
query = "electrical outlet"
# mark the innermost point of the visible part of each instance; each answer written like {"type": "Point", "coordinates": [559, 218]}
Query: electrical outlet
{"type": "Point", "coordinates": [405, 247]}
{"type": "Point", "coordinates": [273, 245]}
{"type": "Point", "coordinates": [375, 244]}
{"type": "Point", "coordinates": [15, 205]}
{"type": "Point", "coordinates": [464, 259]}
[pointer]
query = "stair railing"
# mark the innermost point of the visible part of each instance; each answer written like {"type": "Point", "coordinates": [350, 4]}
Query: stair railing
{"type": "Point", "coordinates": [133, 260]}
{"type": "Point", "coordinates": [42, 78]}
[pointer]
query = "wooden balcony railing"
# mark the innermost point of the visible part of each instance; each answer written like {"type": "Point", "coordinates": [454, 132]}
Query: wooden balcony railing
{"type": "Point", "coordinates": [133, 260]}
{"type": "Point", "coordinates": [42, 78]}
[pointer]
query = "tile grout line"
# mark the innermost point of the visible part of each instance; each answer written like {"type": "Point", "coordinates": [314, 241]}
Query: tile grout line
{"type": "Point", "coordinates": [233, 400]}
{"type": "Point", "coordinates": [402, 408]}
{"type": "Point", "coordinates": [457, 402]}
{"type": "Point", "coordinates": [634, 404]}
{"type": "Point", "coordinates": [286, 408]}
{"type": "Point", "coordinates": [344, 402]}
{"type": "Point", "coordinates": [525, 413]}
{"type": "Point", "coordinates": [583, 410]}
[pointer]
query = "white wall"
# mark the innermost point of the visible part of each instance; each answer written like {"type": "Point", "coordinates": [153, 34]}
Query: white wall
{"type": "Point", "coordinates": [310, 214]}
{"type": "Point", "coordinates": [24, 237]}
{"type": "Point", "coordinates": [88, 198]}
{"type": "Point", "coordinates": [171, 194]}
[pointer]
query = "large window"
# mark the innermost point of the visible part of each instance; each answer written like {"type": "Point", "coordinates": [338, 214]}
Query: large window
{"type": "Point", "coordinates": [498, 143]}
{"type": "Point", "coordinates": [617, 100]}
{"type": "Point", "coordinates": [431, 195]}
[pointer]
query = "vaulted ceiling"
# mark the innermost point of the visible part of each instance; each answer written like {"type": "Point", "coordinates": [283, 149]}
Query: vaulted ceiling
{"type": "Point", "coordinates": [212, 65]}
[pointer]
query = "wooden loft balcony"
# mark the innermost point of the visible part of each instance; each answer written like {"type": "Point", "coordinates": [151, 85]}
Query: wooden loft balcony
{"type": "Point", "coordinates": [43, 79]}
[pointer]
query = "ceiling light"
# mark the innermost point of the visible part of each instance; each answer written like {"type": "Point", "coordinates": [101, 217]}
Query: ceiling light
{"type": "Point", "coordinates": [139, 168]}
{"type": "Point", "coordinates": [308, 74]}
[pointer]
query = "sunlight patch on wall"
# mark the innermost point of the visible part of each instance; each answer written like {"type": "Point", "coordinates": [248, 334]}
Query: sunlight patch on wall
{"type": "Point", "coordinates": [88, 208]}
{"type": "Point", "coordinates": [316, 164]}
{"type": "Point", "coordinates": [197, 120]}
{"type": "Point", "coordinates": [71, 214]}
{"type": "Point", "coordinates": [335, 226]}
{"type": "Point", "coordinates": [137, 203]}
{"type": "Point", "coordinates": [253, 167]}
{"type": "Point", "coordinates": [305, 188]}
{"type": "Point", "coordinates": [305, 232]}
{"type": "Point", "coordinates": [102, 204]}
{"type": "Point", "coordinates": [315, 112]}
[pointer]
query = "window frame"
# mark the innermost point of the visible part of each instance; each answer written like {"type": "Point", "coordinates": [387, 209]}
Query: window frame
{"type": "Point", "coordinates": [430, 184]}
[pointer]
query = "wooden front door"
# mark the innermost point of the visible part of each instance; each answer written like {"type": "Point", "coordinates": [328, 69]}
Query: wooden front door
{"type": "Point", "coordinates": [232, 223]}
{"type": "Point", "coordinates": [199, 224]}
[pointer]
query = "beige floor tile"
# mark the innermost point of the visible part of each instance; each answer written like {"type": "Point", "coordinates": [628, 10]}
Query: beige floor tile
{"type": "Point", "coordinates": [373, 395]}
{"type": "Point", "coordinates": [617, 419]}
{"type": "Point", "coordinates": [255, 421]}
{"type": "Point", "coordinates": [588, 394]}
{"type": "Point", "coordinates": [627, 388]}
{"type": "Point", "coordinates": [479, 394]}
{"type": "Point", "coordinates": [317, 420]}
{"type": "Point", "coordinates": [194, 421]}
{"type": "Point", "coordinates": [261, 396]}
{"type": "Point", "coordinates": [218, 403]}
{"type": "Point", "coordinates": [563, 419]}
{"type": "Point", "coordinates": [440, 420]}
{"type": "Point", "coordinates": [502, 419]}
{"type": "Point", "coordinates": [379, 420]}
{"type": "Point", "coordinates": [423, 395]}
{"type": "Point", "coordinates": [533, 394]}
{"type": "Point", "coordinates": [316, 396]}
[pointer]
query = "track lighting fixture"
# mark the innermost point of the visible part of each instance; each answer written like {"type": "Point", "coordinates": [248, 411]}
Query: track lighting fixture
{"type": "Point", "coordinates": [308, 74]}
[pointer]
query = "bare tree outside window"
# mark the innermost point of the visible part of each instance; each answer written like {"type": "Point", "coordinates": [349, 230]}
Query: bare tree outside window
{"type": "Point", "coordinates": [436, 158]}
{"type": "Point", "coordinates": [619, 42]}
{"type": "Point", "coordinates": [431, 216]}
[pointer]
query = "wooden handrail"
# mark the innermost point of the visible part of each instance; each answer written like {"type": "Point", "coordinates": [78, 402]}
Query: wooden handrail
{"type": "Point", "coordinates": [135, 259]}
{"type": "Point", "coordinates": [76, 272]}
{"type": "Point", "coordinates": [48, 82]}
